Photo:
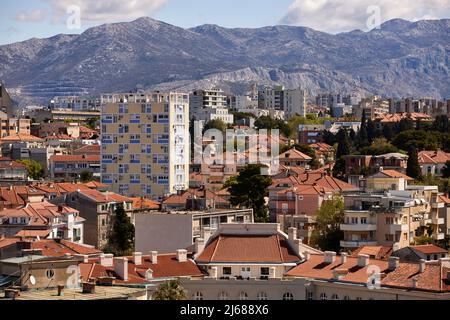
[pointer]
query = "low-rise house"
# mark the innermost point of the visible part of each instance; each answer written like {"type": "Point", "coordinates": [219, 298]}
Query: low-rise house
{"type": "Point", "coordinates": [12, 171]}
{"type": "Point", "coordinates": [433, 162]}
{"type": "Point", "coordinates": [387, 180]}
{"type": "Point", "coordinates": [43, 220]}
{"type": "Point", "coordinates": [416, 253]}
{"type": "Point", "coordinates": [98, 210]}
{"type": "Point", "coordinates": [295, 158]}
{"type": "Point", "coordinates": [392, 119]}
{"type": "Point", "coordinates": [167, 231]}
{"type": "Point", "coordinates": [70, 167]}
{"type": "Point", "coordinates": [330, 277]}
{"type": "Point", "coordinates": [195, 199]}
{"type": "Point", "coordinates": [87, 150]}
{"type": "Point", "coordinates": [324, 153]}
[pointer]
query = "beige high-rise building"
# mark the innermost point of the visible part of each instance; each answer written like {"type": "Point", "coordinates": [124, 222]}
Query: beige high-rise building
{"type": "Point", "coordinates": [145, 143]}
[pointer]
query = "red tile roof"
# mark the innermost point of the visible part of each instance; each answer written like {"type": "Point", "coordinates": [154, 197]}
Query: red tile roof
{"type": "Point", "coordinates": [375, 252]}
{"type": "Point", "coordinates": [433, 157]}
{"type": "Point", "coordinates": [53, 248]}
{"type": "Point", "coordinates": [294, 154]}
{"type": "Point", "coordinates": [395, 174]}
{"type": "Point", "coordinates": [21, 137]}
{"type": "Point", "coordinates": [88, 149]}
{"type": "Point", "coordinates": [248, 249]}
{"type": "Point", "coordinates": [104, 197]}
{"type": "Point", "coordinates": [429, 249]}
{"type": "Point", "coordinates": [142, 203]}
{"type": "Point", "coordinates": [391, 118]}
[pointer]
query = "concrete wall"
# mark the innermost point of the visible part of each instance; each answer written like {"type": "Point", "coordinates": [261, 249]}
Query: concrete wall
{"type": "Point", "coordinates": [164, 233]}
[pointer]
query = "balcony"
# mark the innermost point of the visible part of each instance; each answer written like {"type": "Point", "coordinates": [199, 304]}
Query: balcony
{"type": "Point", "coordinates": [425, 222]}
{"type": "Point", "coordinates": [394, 228]}
{"type": "Point", "coordinates": [358, 244]}
{"type": "Point", "coordinates": [358, 227]}
{"type": "Point", "coordinates": [437, 205]}
{"type": "Point", "coordinates": [439, 236]}
{"type": "Point", "coordinates": [437, 221]}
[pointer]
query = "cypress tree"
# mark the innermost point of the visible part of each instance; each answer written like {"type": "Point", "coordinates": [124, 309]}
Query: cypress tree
{"type": "Point", "coordinates": [413, 169]}
{"type": "Point", "coordinates": [123, 233]}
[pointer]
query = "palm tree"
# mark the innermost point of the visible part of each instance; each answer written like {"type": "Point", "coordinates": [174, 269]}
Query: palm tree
{"type": "Point", "coordinates": [170, 290]}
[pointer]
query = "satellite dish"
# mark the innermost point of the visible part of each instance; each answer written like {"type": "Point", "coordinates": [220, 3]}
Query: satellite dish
{"type": "Point", "coordinates": [33, 280]}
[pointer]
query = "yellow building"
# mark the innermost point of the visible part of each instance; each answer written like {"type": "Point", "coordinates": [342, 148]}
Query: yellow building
{"type": "Point", "coordinates": [145, 143]}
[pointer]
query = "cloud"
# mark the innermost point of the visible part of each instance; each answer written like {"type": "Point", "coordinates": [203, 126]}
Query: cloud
{"type": "Point", "coordinates": [346, 15]}
{"type": "Point", "coordinates": [35, 15]}
{"type": "Point", "coordinates": [102, 11]}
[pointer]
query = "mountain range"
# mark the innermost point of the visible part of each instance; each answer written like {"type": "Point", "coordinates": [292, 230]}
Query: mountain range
{"type": "Point", "coordinates": [400, 59]}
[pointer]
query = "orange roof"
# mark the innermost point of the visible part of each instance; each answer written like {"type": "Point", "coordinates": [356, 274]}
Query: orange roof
{"type": "Point", "coordinates": [307, 190]}
{"type": "Point", "coordinates": [429, 249]}
{"type": "Point", "coordinates": [96, 185]}
{"type": "Point", "coordinates": [445, 199]}
{"type": "Point", "coordinates": [21, 137]}
{"type": "Point", "coordinates": [322, 147]}
{"type": "Point", "coordinates": [248, 249]}
{"type": "Point", "coordinates": [294, 154]}
{"type": "Point", "coordinates": [88, 149]}
{"type": "Point", "coordinates": [396, 174]}
{"type": "Point", "coordinates": [104, 197]}
{"type": "Point", "coordinates": [376, 252]}
{"type": "Point", "coordinates": [316, 268]}
{"type": "Point", "coordinates": [433, 157]}
{"type": "Point", "coordinates": [167, 267]}
{"type": "Point", "coordinates": [191, 193]}
{"type": "Point", "coordinates": [142, 203]}
{"type": "Point", "coordinates": [53, 248]}
{"type": "Point", "coordinates": [390, 118]}
{"type": "Point", "coordinates": [32, 234]}
{"type": "Point", "coordinates": [7, 242]}
{"type": "Point", "coordinates": [75, 158]}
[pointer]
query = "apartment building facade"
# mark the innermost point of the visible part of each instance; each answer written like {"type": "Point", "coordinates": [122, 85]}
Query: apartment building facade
{"type": "Point", "coordinates": [145, 145]}
{"type": "Point", "coordinates": [393, 218]}
{"type": "Point", "coordinates": [70, 167]}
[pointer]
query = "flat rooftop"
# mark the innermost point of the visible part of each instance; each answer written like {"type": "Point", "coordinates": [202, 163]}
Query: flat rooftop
{"type": "Point", "coordinates": [101, 293]}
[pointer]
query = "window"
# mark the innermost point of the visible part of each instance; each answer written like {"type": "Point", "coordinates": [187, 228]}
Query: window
{"type": "Point", "coordinates": [288, 296]}
{"type": "Point", "coordinates": [50, 273]}
{"type": "Point", "coordinates": [262, 296]}
{"type": "Point", "coordinates": [323, 296]}
{"type": "Point", "coordinates": [347, 298]}
{"type": "Point", "coordinates": [265, 272]}
{"type": "Point", "coordinates": [309, 295]}
{"type": "Point", "coordinates": [363, 220]}
{"type": "Point", "coordinates": [198, 296]}
{"type": "Point", "coordinates": [335, 297]}
{"type": "Point", "coordinates": [226, 271]}
{"type": "Point", "coordinates": [243, 296]}
{"type": "Point", "coordinates": [223, 296]}
{"type": "Point", "coordinates": [359, 299]}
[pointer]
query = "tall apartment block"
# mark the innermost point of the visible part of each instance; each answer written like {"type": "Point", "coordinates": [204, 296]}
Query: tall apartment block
{"type": "Point", "coordinates": [6, 104]}
{"type": "Point", "coordinates": [145, 143]}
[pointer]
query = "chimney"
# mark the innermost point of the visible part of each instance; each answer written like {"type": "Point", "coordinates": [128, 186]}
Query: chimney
{"type": "Point", "coordinates": [149, 275]}
{"type": "Point", "coordinates": [107, 260]}
{"type": "Point", "coordinates": [154, 257]}
{"type": "Point", "coordinates": [182, 255]}
{"type": "Point", "coordinates": [307, 255]}
{"type": "Point", "coordinates": [137, 258]}
{"type": "Point", "coordinates": [292, 234]}
{"type": "Point", "coordinates": [199, 245]}
{"type": "Point", "coordinates": [363, 260]}
{"type": "Point", "coordinates": [422, 266]}
{"type": "Point", "coordinates": [121, 268]}
{"type": "Point", "coordinates": [415, 282]}
{"type": "Point", "coordinates": [329, 257]}
{"type": "Point", "coordinates": [344, 257]}
{"type": "Point", "coordinates": [273, 273]}
{"type": "Point", "coordinates": [85, 258]}
{"type": "Point", "coordinates": [214, 272]}
{"type": "Point", "coordinates": [394, 263]}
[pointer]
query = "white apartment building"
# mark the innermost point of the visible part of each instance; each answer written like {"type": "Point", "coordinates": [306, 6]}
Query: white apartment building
{"type": "Point", "coordinates": [208, 105]}
{"type": "Point", "coordinates": [292, 102]}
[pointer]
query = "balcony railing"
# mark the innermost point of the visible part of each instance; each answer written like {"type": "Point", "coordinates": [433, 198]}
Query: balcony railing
{"type": "Point", "coordinates": [358, 227]}
{"type": "Point", "coordinates": [357, 244]}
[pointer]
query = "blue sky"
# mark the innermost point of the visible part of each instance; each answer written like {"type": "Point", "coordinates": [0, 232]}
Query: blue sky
{"type": "Point", "coordinates": [24, 19]}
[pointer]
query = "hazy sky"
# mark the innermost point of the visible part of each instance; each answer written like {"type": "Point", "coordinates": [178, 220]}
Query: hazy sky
{"type": "Point", "coordinates": [24, 19]}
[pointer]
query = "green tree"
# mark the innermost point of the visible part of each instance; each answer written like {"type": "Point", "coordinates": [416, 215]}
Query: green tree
{"type": "Point", "coordinates": [249, 189]}
{"type": "Point", "coordinates": [446, 170]}
{"type": "Point", "coordinates": [378, 147]}
{"type": "Point", "coordinates": [266, 122]}
{"type": "Point", "coordinates": [343, 144]}
{"type": "Point", "coordinates": [121, 240]}
{"type": "Point", "coordinates": [363, 135]}
{"type": "Point", "coordinates": [34, 169]}
{"type": "Point", "coordinates": [86, 176]}
{"type": "Point", "coordinates": [413, 169]}
{"type": "Point", "coordinates": [327, 233]}
{"type": "Point", "coordinates": [441, 124]}
{"type": "Point", "coordinates": [170, 291]}
{"type": "Point", "coordinates": [215, 124]}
